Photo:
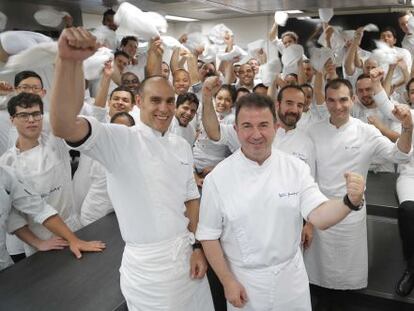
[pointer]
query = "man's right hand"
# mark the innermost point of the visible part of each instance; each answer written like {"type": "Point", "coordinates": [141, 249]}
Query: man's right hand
{"type": "Point", "coordinates": [5, 88]}
{"type": "Point", "coordinates": [76, 44]}
{"type": "Point", "coordinates": [211, 85]}
{"type": "Point", "coordinates": [235, 293]}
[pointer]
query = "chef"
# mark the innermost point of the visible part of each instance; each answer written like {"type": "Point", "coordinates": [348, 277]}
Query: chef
{"type": "Point", "coordinates": [252, 211]}
{"type": "Point", "coordinates": [150, 184]}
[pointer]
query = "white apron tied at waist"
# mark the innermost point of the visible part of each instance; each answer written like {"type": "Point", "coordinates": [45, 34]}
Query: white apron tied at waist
{"type": "Point", "coordinates": [156, 276]}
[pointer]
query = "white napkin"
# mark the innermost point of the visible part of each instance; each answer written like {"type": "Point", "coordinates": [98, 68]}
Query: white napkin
{"type": "Point", "coordinates": [319, 57]}
{"type": "Point", "coordinates": [3, 21]}
{"type": "Point", "coordinates": [325, 14]}
{"type": "Point", "coordinates": [218, 32]}
{"type": "Point", "coordinates": [281, 18]}
{"type": "Point", "coordinates": [49, 17]}
{"type": "Point", "coordinates": [14, 42]}
{"type": "Point", "coordinates": [106, 37]}
{"type": "Point", "coordinates": [255, 46]}
{"type": "Point", "coordinates": [384, 54]}
{"type": "Point", "coordinates": [93, 65]}
{"type": "Point", "coordinates": [235, 52]}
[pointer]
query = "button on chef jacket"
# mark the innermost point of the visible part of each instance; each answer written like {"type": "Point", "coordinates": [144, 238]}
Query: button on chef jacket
{"type": "Point", "coordinates": [149, 177]}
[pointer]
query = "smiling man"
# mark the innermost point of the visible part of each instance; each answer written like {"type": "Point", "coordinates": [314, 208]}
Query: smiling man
{"type": "Point", "coordinates": [252, 211]}
{"type": "Point", "coordinates": [186, 109]}
{"type": "Point", "coordinates": [150, 183]}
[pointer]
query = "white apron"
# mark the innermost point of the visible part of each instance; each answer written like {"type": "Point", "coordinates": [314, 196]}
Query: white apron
{"type": "Point", "coordinates": [277, 288]}
{"type": "Point", "coordinates": [338, 256]}
{"type": "Point", "coordinates": [156, 277]}
{"type": "Point", "coordinates": [405, 188]}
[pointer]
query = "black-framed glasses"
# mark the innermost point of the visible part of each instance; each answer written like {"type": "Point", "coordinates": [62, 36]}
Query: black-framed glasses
{"type": "Point", "coordinates": [25, 116]}
{"type": "Point", "coordinates": [28, 88]}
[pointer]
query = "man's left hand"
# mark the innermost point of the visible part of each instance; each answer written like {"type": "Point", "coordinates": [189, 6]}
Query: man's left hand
{"type": "Point", "coordinates": [198, 264]}
{"type": "Point", "coordinates": [403, 114]}
{"type": "Point", "coordinates": [79, 246]}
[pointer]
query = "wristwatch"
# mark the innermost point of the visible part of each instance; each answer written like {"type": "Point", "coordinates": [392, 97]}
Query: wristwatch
{"type": "Point", "coordinates": [197, 245]}
{"type": "Point", "coordinates": [351, 206]}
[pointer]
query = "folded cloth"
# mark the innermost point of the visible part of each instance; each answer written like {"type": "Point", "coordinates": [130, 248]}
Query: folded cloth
{"type": "Point", "coordinates": [281, 18]}
{"type": "Point", "coordinates": [106, 37]}
{"type": "Point", "coordinates": [38, 56]}
{"type": "Point", "coordinates": [255, 46]}
{"type": "Point", "coordinates": [145, 25]}
{"type": "Point", "coordinates": [234, 53]}
{"type": "Point", "coordinates": [93, 65]}
{"type": "Point", "coordinates": [325, 14]}
{"type": "Point", "coordinates": [218, 32]}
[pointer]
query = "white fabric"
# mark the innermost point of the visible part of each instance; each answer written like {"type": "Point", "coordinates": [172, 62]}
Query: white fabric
{"type": "Point", "coordinates": [145, 25]}
{"type": "Point", "coordinates": [93, 65]}
{"type": "Point", "coordinates": [14, 42]}
{"type": "Point", "coordinates": [3, 21]}
{"type": "Point", "coordinates": [218, 32]}
{"type": "Point", "coordinates": [235, 52]}
{"type": "Point", "coordinates": [188, 132]}
{"type": "Point", "coordinates": [49, 17]}
{"type": "Point", "coordinates": [257, 210]}
{"type": "Point", "coordinates": [338, 150]}
{"type": "Point", "coordinates": [156, 277]}
{"type": "Point", "coordinates": [149, 183]}
{"type": "Point", "coordinates": [97, 203]}
{"type": "Point", "coordinates": [315, 114]}
{"type": "Point", "coordinates": [290, 57]}
{"type": "Point", "coordinates": [22, 198]}
{"type": "Point", "coordinates": [325, 14]}
{"type": "Point", "coordinates": [106, 37]}
{"type": "Point", "coordinates": [281, 18]}
{"type": "Point", "coordinates": [281, 287]}
{"type": "Point", "coordinates": [208, 153]}
{"type": "Point", "coordinates": [47, 170]}
{"type": "Point", "coordinates": [405, 184]}
{"type": "Point", "coordinates": [257, 213]}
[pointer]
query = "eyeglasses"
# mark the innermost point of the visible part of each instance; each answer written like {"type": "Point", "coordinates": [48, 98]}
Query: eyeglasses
{"type": "Point", "coordinates": [25, 116]}
{"type": "Point", "coordinates": [28, 88]}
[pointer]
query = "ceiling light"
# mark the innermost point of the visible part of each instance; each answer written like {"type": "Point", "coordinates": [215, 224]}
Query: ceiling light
{"type": "Point", "coordinates": [180, 19]}
{"type": "Point", "coordinates": [293, 12]}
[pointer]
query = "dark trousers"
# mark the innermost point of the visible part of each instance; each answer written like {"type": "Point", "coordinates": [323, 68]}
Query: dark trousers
{"type": "Point", "coordinates": [406, 226]}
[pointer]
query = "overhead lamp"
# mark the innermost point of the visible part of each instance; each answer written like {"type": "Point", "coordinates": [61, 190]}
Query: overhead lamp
{"type": "Point", "coordinates": [180, 18]}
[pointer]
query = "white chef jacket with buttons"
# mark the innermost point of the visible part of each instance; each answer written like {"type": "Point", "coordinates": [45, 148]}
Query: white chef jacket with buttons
{"type": "Point", "coordinates": [257, 211]}
{"type": "Point", "coordinates": [46, 168]}
{"type": "Point", "coordinates": [17, 196]}
{"type": "Point", "coordinates": [337, 257]}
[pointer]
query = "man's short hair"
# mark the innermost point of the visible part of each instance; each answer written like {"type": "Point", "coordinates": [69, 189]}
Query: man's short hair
{"type": "Point", "coordinates": [363, 76]}
{"type": "Point", "coordinates": [180, 70]}
{"type": "Point", "coordinates": [124, 89]}
{"type": "Point", "coordinates": [407, 86]}
{"type": "Point", "coordinates": [182, 98]}
{"type": "Point", "coordinates": [291, 34]}
{"type": "Point", "coordinates": [107, 13]}
{"type": "Point", "coordinates": [23, 75]}
{"type": "Point", "coordinates": [254, 100]}
{"type": "Point", "coordinates": [123, 114]}
{"type": "Point", "coordinates": [302, 86]}
{"type": "Point", "coordinates": [146, 80]}
{"type": "Point", "coordinates": [404, 13]}
{"type": "Point", "coordinates": [125, 40]}
{"type": "Point", "coordinates": [120, 53]}
{"type": "Point", "coordinates": [390, 29]}
{"type": "Point", "coordinates": [242, 90]}
{"type": "Point", "coordinates": [165, 63]}
{"type": "Point", "coordinates": [337, 83]}
{"type": "Point", "coordinates": [24, 100]}
{"type": "Point", "coordinates": [259, 85]}
{"type": "Point", "coordinates": [288, 87]}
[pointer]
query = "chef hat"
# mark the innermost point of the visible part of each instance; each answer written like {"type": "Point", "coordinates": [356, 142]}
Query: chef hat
{"type": "Point", "coordinates": [218, 32]}
{"type": "Point", "coordinates": [255, 46]}
{"type": "Point", "coordinates": [3, 21]}
{"type": "Point", "coordinates": [325, 14]}
{"type": "Point", "coordinates": [281, 18]}
{"type": "Point", "coordinates": [49, 17]}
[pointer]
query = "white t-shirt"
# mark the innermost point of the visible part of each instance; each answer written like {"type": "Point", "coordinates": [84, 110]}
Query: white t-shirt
{"type": "Point", "coordinates": [257, 210]}
{"type": "Point", "coordinates": [149, 177]}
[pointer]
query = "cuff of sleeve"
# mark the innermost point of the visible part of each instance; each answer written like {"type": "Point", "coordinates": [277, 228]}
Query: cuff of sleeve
{"type": "Point", "coordinates": [15, 221]}
{"type": "Point", "coordinates": [87, 143]}
{"type": "Point", "coordinates": [47, 212]}
{"type": "Point", "coordinates": [310, 207]}
{"type": "Point", "coordinates": [205, 233]}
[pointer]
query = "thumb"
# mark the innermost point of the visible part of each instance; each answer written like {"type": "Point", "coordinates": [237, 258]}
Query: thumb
{"type": "Point", "coordinates": [347, 175]}
{"type": "Point", "coordinates": [243, 295]}
{"type": "Point", "coordinates": [76, 252]}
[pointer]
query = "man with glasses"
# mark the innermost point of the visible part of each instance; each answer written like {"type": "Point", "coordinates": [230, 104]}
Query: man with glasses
{"type": "Point", "coordinates": [44, 162]}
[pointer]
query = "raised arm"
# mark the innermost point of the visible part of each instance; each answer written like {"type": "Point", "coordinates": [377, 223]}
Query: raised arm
{"type": "Point", "coordinates": [353, 52]}
{"type": "Point", "coordinates": [74, 46]}
{"type": "Point", "coordinates": [209, 118]}
{"type": "Point", "coordinates": [102, 94]}
{"type": "Point", "coordinates": [154, 58]}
